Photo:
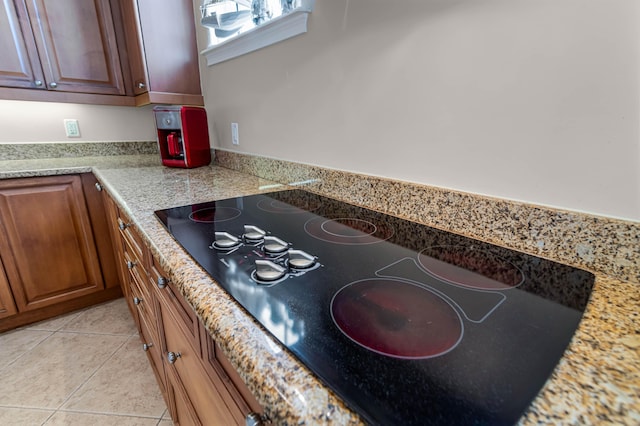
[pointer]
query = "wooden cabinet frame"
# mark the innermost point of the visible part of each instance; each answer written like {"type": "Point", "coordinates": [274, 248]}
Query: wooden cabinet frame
{"type": "Point", "coordinates": [111, 52]}
{"type": "Point", "coordinates": [7, 304]}
{"type": "Point", "coordinates": [55, 248]}
{"type": "Point", "coordinates": [199, 384]}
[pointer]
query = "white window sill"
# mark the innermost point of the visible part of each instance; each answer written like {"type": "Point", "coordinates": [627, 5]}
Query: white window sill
{"type": "Point", "coordinates": [274, 31]}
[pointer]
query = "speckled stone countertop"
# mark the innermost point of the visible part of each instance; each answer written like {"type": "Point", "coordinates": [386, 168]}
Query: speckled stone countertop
{"type": "Point", "coordinates": [596, 382]}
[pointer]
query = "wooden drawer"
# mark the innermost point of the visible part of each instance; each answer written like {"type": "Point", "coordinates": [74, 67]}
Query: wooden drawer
{"type": "Point", "coordinates": [186, 318]}
{"type": "Point", "coordinates": [141, 300]}
{"type": "Point", "coordinates": [182, 412]}
{"type": "Point", "coordinates": [185, 363]}
{"type": "Point", "coordinates": [217, 364]}
{"type": "Point", "coordinates": [152, 346]}
{"type": "Point", "coordinates": [130, 235]}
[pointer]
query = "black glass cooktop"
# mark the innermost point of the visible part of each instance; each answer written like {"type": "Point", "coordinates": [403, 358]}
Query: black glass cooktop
{"type": "Point", "coordinates": [407, 324]}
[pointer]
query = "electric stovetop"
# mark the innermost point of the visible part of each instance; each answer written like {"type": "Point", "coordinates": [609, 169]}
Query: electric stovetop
{"type": "Point", "coordinates": [407, 324]}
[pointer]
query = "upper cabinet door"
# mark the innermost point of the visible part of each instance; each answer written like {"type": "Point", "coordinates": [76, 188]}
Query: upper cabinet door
{"type": "Point", "coordinates": [19, 61]}
{"type": "Point", "coordinates": [76, 40]}
{"type": "Point", "coordinates": [163, 55]}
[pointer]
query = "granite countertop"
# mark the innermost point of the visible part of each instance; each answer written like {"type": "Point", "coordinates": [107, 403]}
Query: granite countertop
{"type": "Point", "coordinates": [596, 382]}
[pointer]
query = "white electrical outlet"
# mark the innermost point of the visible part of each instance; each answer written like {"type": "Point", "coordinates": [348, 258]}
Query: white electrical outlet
{"type": "Point", "coordinates": [71, 128]}
{"type": "Point", "coordinates": [234, 134]}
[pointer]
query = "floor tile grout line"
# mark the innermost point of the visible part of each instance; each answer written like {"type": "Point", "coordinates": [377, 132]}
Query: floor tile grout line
{"type": "Point", "coordinates": [104, 413]}
{"type": "Point", "coordinates": [27, 351]}
{"type": "Point", "coordinates": [92, 374]}
{"type": "Point", "coordinates": [34, 327]}
{"type": "Point", "coordinates": [21, 407]}
{"type": "Point", "coordinates": [51, 332]}
{"type": "Point", "coordinates": [62, 410]}
{"type": "Point", "coordinates": [48, 418]}
{"type": "Point", "coordinates": [94, 333]}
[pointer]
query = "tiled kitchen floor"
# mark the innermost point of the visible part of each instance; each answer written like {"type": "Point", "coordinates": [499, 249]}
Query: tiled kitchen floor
{"type": "Point", "coordinates": [83, 368]}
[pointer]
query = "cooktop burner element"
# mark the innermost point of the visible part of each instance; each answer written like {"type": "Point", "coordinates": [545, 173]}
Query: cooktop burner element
{"type": "Point", "coordinates": [407, 324]}
{"type": "Point", "coordinates": [469, 267]}
{"type": "Point", "coordinates": [348, 230]}
{"type": "Point", "coordinates": [291, 205]}
{"type": "Point", "coordinates": [396, 318]}
{"type": "Point", "coordinates": [213, 215]}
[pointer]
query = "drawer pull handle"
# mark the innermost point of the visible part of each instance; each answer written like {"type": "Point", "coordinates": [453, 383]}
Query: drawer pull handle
{"type": "Point", "coordinates": [173, 357]}
{"type": "Point", "coordinates": [98, 187]}
{"type": "Point", "coordinates": [123, 225]}
{"type": "Point", "coordinates": [255, 419]}
{"type": "Point", "coordinates": [147, 346]}
{"type": "Point", "coordinates": [130, 264]}
{"type": "Point", "coordinates": [162, 282]}
{"type": "Point", "coordinates": [137, 301]}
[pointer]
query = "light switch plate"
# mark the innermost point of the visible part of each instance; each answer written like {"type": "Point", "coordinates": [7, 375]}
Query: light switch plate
{"type": "Point", "coordinates": [71, 128]}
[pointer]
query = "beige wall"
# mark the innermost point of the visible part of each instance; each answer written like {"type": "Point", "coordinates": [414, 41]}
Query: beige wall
{"type": "Point", "coordinates": [519, 99]}
{"type": "Point", "coordinates": [43, 122]}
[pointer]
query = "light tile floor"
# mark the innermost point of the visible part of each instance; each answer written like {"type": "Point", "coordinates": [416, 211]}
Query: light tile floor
{"type": "Point", "coordinates": [83, 368]}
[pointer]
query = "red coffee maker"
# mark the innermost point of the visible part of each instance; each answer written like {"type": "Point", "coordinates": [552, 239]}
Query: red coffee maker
{"type": "Point", "coordinates": [183, 136]}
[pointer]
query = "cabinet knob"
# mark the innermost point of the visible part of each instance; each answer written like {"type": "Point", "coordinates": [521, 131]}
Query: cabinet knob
{"type": "Point", "coordinates": [53, 84]}
{"type": "Point", "coordinates": [137, 300]}
{"type": "Point", "coordinates": [38, 83]}
{"type": "Point", "coordinates": [123, 225]}
{"type": "Point", "coordinates": [255, 419]}
{"type": "Point", "coordinates": [173, 357]}
{"type": "Point", "coordinates": [146, 346]}
{"type": "Point", "coordinates": [130, 264]}
{"type": "Point", "coordinates": [98, 186]}
{"type": "Point", "coordinates": [141, 85]}
{"type": "Point", "coordinates": [162, 282]}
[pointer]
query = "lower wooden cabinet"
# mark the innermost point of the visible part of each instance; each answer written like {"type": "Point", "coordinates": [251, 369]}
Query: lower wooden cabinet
{"type": "Point", "coordinates": [7, 305]}
{"type": "Point", "coordinates": [187, 374]}
{"type": "Point", "coordinates": [52, 261]}
{"type": "Point", "coordinates": [199, 384]}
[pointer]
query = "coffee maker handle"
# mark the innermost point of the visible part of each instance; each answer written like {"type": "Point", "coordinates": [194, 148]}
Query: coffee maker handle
{"type": "Point", "coordinates": [173, 144]}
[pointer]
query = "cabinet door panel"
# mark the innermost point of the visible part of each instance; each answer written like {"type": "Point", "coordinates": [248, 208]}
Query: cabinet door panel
{"type": "Point", "coordinates": [7, 305]}
{"type": "Point", "coordinates": [163, 56]}
{"type": "Point", "coordinates": [47, 244]}
{"type": "Point", "coordinates": [19, 61]}
{"type": "Point", "coordinates": [204, 395]}
{"type": "Point", "coordinates": [170, 46]}
{"type": "Point", "coordinates": [77, 44]}
{"type": "Point", "coordinates": [118, 251]}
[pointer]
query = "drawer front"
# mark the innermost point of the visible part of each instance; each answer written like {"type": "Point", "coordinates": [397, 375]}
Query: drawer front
{"type": "Point", "coordinates": [186, 318]}
{"type": "Point", "coordinates": [152, 346]}
{"type": "Point", "coordinates": [218, 365]}
{"type": "Point", "coordinates": [182, 411]}
{"type": "Point", "coordinates": [186, 365]}
{"type": "Point", "coordinates": [130, 235]}
{"type": "Point", "coordinates": [141, 300]}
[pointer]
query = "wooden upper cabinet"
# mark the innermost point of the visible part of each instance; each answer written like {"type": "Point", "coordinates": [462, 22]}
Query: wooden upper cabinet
{"type": "Point", "coordinates": [112, 52]}
{"type": "Point", "coordinates": [19, 60]}
{"type": "Point", "coordinates": [77, 44]}
{"type": "Point", "coordinates": [46, 241]}
{"type": "Point", "coordinates": [163, 55]}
